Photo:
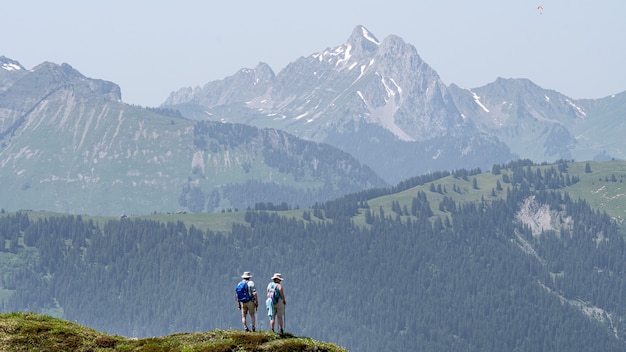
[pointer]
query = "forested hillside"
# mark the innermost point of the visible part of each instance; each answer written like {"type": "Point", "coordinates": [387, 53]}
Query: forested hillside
{"type": "Point", "coordinates": [437, 272]}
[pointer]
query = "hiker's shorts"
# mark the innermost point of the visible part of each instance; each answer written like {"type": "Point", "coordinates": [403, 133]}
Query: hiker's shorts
{"type": "Point", "coordinates": [279, 308]}
{"type": "Point", "coordinates": [248, 307]}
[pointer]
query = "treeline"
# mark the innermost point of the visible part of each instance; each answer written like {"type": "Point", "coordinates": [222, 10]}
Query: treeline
{"type": "Point", "coordinates": [476, 280]}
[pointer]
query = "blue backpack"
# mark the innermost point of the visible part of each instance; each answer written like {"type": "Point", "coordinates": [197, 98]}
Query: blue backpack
{"type": "Point", "coordinates": [243, 293]}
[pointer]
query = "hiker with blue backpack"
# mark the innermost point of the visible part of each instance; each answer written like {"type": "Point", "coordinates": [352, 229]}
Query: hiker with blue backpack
{"type": "Point", "coordinates": [275, 302]}
{"type": "Point", "coordinates": [247, 301]}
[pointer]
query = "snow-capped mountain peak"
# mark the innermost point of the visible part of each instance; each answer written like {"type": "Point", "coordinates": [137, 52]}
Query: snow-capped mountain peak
{"type": "Point", "coordinates": [10, 71]}
{"type": "Point", "coordinates": [9, 65]}
{"type": "Point", "coordinates": [363, 43]}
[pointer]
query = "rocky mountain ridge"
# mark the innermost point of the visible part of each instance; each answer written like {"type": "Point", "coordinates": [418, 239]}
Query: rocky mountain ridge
{"type": "Point", "coordinates": [377, 100]}
{"type": "Point", "coordinates": [375, 82]}
{"type": "Point", "coordinates": [366, 90]}
{"type": "Point", "coordinates": [69, 144]}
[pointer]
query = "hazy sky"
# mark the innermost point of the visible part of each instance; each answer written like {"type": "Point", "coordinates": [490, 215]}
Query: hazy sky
{"type": "Point", "coordinates": [151, 48]}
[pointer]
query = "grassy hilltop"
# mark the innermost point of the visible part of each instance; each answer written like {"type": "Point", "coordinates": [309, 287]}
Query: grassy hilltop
{"type": "Point", "coordinates": [601, 186]}
{"type": "Point", "coordinates": [34, 332]}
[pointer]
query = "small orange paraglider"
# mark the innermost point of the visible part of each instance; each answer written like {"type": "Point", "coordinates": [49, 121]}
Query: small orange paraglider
{"type": "Point", "coordinates": [540, 9]}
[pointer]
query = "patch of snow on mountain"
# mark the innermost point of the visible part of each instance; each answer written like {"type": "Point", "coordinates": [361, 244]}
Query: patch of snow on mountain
{"type": "Point", "coordinates": [338, 51]}
{"type": "Point", "coordinates": [477, 100]}
{"type": "Point", "coordinates": [578, 108]}
{"type": "Point", "coordinates": [331, 56]}
{"type": "Point", "coordinates": [368, 36]}
{"type": "Point", "coordinates": [11, 67]}
{"type": "Point", "coordinates": [390, 92]}
{"type": "Point", "coordinates": [547, 98]}
{"type": "Point", "coordinates": [346, 56]}
{"type": "Point", "coordinates": [385, 115]}
{"type": "Point", "coordinates": [397, 86]}
{"type": "Point", "coordinates": [358, 92]}
{"type": "Point", "coordinates": [467, 149]}
{"type": "Point", "coordinates": [437, 155]}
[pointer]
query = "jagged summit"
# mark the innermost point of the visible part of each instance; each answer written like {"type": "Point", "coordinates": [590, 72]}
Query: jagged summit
{"type": "Point", "coordinates": [64, 75]}
{"type": "Point", "coordinates": [515, 85]}
{"type": "Point", "coordinates": [352, 96]}
{"type": "Point", "coordinates": [262, 69]}
{"type": "Point", "coordinates": [365, 90]}
{"type": "Point", "coordinates": [244, 85]}
{"type": "Point", "coordinates": [394, 48]}
{"type": "Point", "coordinates": [9, 64]}
{"type": "Point", "coordinates": [10, 71]}
{"type": "Point", "coordinates": [23, 90]}
{"type": "Point", "coordinates": [362, 43]}
{"type": "Point", "coordinates": [62, 72]}
{"type": "Point", "coordinates": [360, 32]}
{"type": "Point", "coordinates": [360, 48]}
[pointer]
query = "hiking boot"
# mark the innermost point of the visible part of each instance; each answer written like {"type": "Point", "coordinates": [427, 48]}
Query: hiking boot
{"type": "Point", "coordinates": [247, 330]}
{"type": "Point", "coordinates": [282, 332]}
{"type": "Point", "coordinates": [253, 329]}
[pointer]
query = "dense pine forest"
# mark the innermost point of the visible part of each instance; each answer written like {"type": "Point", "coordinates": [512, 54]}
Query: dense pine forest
{"type": "Point", "coordinates": [457, 276]}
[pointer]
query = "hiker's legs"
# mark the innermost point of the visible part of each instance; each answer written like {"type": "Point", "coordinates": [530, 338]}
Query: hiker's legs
{"type": "Point", "coordinates": [243, 319]}
{"type": "Point", "coordinates": [279, 310]}
{"type": "Point", "coordinates": [280, 323]}
{"type": "Point", "coordinates": [245, 309]}
{"type": "Point", "coordinates": [272, 323]}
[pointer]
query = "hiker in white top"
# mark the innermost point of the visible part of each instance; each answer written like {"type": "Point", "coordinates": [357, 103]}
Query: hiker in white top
{"type": "Point", "coordinates": [276, 301]}
{"type": "Point", "coordinates": [247, 301]}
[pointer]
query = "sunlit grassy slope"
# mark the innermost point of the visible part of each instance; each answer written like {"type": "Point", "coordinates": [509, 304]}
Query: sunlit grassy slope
{"type": "Point", "coordinates": [34, 332]}
{"type": "Point", "coordinates": [604, 188]}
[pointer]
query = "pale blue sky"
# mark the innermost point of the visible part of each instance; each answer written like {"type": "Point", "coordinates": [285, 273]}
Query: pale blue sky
{"type": "Point", "coordinates": [151, 48]}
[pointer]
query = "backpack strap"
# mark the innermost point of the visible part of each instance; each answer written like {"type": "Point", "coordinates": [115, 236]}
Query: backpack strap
{"type": "Point", "coordinates": [250, 293]}
{"type": "Point", "coordinates": [277, 292]}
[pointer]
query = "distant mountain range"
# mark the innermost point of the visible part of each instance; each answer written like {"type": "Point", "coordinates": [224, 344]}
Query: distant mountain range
{"type": "Point", "coordinates": [68, 144]}
{"type": "Point", "coordinates": [379, 101]}
{"type": "Point", "coordinates": [363, 114]}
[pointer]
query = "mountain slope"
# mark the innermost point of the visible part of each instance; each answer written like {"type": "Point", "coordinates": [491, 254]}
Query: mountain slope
{"type": "Point", "coordinates": [354, 94]}
{"type": "Point", "coordinates": [544, 125]}
{"type": "Point", "coordinates": [10, 71]}
{"type": "Point", "coordinates": [600, 134]}
{"type": "Point", "coordinates": [379, 101]}
{"type": "Point", "coordinates": [69, 144]}
{"type": "Point", "coordinates": [367, 81]}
